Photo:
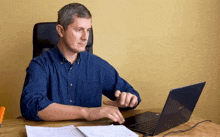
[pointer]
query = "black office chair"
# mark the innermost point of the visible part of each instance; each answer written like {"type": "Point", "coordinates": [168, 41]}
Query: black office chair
{"type": "Point", "coordinates": [45, 37]}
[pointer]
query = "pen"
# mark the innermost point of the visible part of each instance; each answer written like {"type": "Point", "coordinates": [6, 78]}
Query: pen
{"type": "Point", "coordinates": [2, 112]}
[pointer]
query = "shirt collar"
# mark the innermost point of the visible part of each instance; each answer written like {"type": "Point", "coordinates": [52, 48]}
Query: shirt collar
{"type": "Point", "coordinates": [61, 58]}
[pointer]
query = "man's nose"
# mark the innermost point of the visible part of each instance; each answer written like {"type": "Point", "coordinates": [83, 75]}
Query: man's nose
{"type": "Point", "coordinates": [85, 36]}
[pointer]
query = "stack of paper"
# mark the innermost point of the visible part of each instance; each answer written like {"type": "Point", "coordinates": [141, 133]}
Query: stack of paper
{"type": "Point", "coordinates": [107, 131]}
{"type": "Point", "coordinates": [67, 131]}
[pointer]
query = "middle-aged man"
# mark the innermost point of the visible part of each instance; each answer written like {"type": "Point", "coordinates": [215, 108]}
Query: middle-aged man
{"type": "Point", "coordinates": [67, 82]}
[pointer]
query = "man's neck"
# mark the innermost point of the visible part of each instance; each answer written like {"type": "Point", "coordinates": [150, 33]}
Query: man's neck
{"type": "Point", "coordinates": [70, 56]}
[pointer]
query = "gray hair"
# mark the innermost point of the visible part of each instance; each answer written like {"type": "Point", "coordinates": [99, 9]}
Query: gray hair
{"type": "Point", "coordinates": [66, 14]}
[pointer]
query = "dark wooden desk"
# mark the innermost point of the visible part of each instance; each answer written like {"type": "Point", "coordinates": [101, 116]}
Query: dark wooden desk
{"type": "Point", "coordinates": [16, 127]}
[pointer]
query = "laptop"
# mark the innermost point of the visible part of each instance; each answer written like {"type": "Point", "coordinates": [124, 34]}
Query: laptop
{"type": "Point", "coordinates": [177, 110]}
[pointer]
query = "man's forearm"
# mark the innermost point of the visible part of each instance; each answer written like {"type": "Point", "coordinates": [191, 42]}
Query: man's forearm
{"type": "Point", "coordinates": [56, 112]}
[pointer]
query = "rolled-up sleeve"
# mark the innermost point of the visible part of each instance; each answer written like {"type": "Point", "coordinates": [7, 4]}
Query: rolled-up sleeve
{"type": "Point", "coordinates": [34, 95]}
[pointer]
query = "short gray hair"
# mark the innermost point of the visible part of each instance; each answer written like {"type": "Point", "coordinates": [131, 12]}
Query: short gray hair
{"type": "Point", "coordinates": [66, 14]}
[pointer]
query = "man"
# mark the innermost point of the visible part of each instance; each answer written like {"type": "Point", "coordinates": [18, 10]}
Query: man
{"type": "Point", "coordinates": [67, 82]}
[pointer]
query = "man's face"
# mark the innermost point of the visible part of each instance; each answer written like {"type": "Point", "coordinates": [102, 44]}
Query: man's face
{"type": "Point", "coordinates": [76, 35]}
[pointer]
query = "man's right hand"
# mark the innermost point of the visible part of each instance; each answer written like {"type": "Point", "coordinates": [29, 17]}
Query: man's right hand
{"type": "Point", "coordinates": [104, 112]}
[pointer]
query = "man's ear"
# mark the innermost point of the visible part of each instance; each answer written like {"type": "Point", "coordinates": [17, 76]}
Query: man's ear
{"type": "Point", "coordinates": [60, 30]}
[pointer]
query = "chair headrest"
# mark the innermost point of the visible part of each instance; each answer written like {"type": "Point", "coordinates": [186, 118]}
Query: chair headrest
{"type": "Point", "coordinates": [45, 37]}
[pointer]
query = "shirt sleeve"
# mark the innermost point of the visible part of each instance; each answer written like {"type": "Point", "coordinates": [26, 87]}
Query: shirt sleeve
{"type": "Point", "coordinates": [112, 82]}
{"type": "Point", "coordinates": [34, 95]}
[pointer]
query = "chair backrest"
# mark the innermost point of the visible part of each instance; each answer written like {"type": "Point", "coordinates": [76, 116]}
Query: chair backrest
{"type": "Point", "coordinates": [45, 37]}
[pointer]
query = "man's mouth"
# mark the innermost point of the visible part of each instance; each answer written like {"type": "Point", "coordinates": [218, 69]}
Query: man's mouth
{"type": "Point", "coordinates": [82, 44]}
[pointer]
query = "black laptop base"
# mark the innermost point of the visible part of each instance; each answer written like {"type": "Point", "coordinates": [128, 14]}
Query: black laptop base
{"type": "Point", "coordinates": [144, 123]}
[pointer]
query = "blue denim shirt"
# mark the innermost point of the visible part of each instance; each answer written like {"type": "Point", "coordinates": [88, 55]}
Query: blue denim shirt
{"type": "Point", "coordinates": [51, 78]}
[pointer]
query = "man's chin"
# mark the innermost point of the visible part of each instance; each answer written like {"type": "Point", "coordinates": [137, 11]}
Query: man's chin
{"type": "Point", "coordinates": [81, 50]}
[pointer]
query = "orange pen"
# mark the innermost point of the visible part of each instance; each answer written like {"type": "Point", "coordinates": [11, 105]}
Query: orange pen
{"type": "Point", "coordinates": [2, 112]}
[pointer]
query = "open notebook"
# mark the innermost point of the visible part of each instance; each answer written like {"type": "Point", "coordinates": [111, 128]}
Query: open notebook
{"type": "Point", "coordinates": [80, 131]}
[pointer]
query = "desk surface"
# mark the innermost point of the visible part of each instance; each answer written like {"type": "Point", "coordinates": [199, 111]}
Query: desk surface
{"type": "Point", "coordinates": [16, 127]}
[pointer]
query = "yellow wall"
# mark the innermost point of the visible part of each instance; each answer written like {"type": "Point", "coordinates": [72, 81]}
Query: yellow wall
{"type": "Point", "coordinates": [156, 45]}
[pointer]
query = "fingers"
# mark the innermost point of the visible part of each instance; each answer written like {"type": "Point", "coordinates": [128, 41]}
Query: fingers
{"type": "Point", "coordinates": [121, 99]}
{"type": "Point", "coordinates": [124, 99]}
{"type": "Point", "coordinates": [117, 93]}
{"type": "Point", "coordinates": [110, 103]}
{"type": "Point", "coordinates": [104, 112]}
{"type": "Point", "coordinates": [127, 100]}
{"type": "Point", "coordinates": [133, 102]}
{"type": "Point", "coordinates": [121, 118]}
{"type": "Point", "coordinates": [116, 116]}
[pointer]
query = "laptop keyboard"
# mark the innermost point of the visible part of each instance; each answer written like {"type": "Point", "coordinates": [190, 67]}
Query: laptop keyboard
{"type": "Point", "coordinates": [143, 122]}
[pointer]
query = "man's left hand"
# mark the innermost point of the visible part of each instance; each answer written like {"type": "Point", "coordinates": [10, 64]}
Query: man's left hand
{"type": "Point", "coordinates": [123, 100]}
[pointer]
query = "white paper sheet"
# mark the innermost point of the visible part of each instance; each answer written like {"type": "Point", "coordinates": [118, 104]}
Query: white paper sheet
{"type": "Point", "coordinates": [107, 131]}
{"type": "Point", "coordinates": [66, 131]}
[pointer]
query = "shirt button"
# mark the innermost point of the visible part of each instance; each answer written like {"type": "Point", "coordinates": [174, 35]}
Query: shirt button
{"type": "Point", "coordinates": [70, 68]}
{"type": "Point", "coordinates": [61, 62]}
{"type": "Point", "coordinates": [71, 101]}
{"type": "Point", "coordinates": [71, 85]}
